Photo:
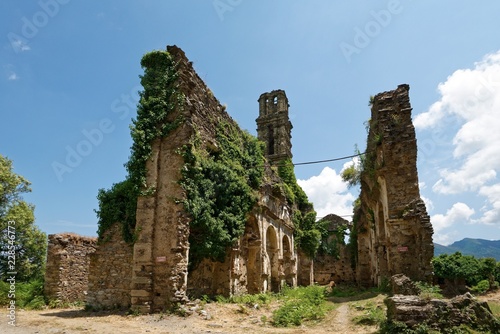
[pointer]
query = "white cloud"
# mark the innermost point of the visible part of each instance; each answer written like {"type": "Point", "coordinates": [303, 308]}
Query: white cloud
{"type": "Point", "coordinates": [13, 76]}
{"type": "Point", "coordinates": [445, 239]}
{"type": "Point", "coordinates": [428, 203]}
{"type": "Point", "coordinates": [471, 96]}
{"type": "Point", "coordinates": [459, 213]}
{"type": "Point", "coordinates": [328, 193]}
{"type": "Point", "coordinates": [20, 45]}
{"type": "Point", "coordinates": [491, 213]}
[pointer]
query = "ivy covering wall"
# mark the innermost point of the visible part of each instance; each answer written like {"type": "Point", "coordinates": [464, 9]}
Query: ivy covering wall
{"type": "Point", "coordinates": [222, 188]}
{"type": "Point", "coordinates": [157, 101]}
{"type": "Point", "coordinates": [307, 232]}
{"type": "Point", "coordinates": [221, 182]}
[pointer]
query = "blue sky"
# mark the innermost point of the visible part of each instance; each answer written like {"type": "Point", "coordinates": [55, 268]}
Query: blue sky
{"type": "Point", "coordinates": [69, 76]}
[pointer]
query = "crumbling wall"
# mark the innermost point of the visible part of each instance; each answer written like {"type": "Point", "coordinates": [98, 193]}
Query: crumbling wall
{"type": "Point", "coordinates": [263, 259]}
{"type": "Point", "coordinates": [160, 261]}
{"type": "Point", "coordinates": [337, 268]}
{"type": "Point", "coordinates": [110, 271]}
{"type": "Point", "coordinates": [162, 225]}
{"type": "Point", "coordinates": [394, 233]}
{"type": "Point", "coordinates": [66, 275]}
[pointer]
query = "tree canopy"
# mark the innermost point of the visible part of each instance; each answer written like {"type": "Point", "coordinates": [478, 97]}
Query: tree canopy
{"type": "Point", "coordinates": [23, 246]}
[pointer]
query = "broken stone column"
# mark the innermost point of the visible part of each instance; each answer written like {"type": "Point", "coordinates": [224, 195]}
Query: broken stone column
{"type": "Point", "coordinates": [394, 230]}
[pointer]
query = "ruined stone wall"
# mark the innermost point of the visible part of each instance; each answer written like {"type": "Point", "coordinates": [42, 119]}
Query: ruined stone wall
{"type": "Point", "coordinates": [110, 271]}
{"type": "Point", "coordinates": [394, 229]}
{"type": "Point", "coordinates": [339, 268]}
{"type": "Point", "coordinates": [66, 275]}
{"type": "Point", "coordinates": [263, 259]}
{"type": "Point", "coordinates": [161, 250]}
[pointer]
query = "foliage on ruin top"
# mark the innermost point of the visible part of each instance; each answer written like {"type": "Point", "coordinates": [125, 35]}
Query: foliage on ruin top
{"type": "Point", "coordinates": [221, 189]}
{"type": "Point", "coordinates": [331, 238]}
{"type": "Point", "coordinates": [158, 100]}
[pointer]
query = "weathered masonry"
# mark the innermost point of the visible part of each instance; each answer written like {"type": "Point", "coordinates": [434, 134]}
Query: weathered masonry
{"type": "Point", "coordinates": [274, 126]}
{"type": "Point", "coordinates": [66, 274]}
{"type": "Point", "coordinates": [337, 268]}
{"type": "Point", "coordinates": [263, 259]}
{"type": "Point", "coordinates": [393, 227]}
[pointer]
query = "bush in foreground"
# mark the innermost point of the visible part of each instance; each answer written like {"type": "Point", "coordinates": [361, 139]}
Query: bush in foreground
{"type": "Point", "coordinates": [28, 295]}
{"type": "Point", "coordinates": [300, 304]}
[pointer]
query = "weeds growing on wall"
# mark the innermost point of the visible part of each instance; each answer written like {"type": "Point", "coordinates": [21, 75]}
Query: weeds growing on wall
{"type": "Point", "coordinates": [221, 189]}
{"type": "Point", "coordinates": [158, 100]}
{"type": "Point", "coordinates": [307, 233]}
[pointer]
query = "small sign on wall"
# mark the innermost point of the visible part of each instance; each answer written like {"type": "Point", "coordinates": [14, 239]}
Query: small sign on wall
{"type": "Point", "coordinates": [402, 249]}
{"type": "Point", "coordinates": [161, 259]}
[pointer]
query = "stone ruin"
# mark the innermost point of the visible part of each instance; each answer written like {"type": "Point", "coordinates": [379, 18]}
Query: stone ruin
{"type": "Point", "coordinates": [394, 231]}
{"type": "Point", "coordinates": [407, 306]}
{"type": "Point", "coordinates": [67, 268]}
{"type": "Point", "coordinates": [339, 268]}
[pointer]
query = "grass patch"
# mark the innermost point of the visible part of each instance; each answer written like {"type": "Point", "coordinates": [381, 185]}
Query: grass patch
{"type": "Point", "coordinates": [348, 292]}
{"type": "Point", "coordinates": [373, 314]}
{"type": "Point", "coordinates": [343, 291]}
{"type": "Point", "coordinates": [300, 305]}
{"type": "Point", "coordinates": [429, 291]}
{"type": "Point", "coordinates": [255, 301]}
{"type": "Point", "coordinates": [495, 308]}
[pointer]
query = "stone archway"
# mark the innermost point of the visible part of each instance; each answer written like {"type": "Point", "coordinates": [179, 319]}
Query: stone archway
{"type": "Point", "coordinates": [272, 250]}
{"type": "Point", "coordinates": [254, 259]}
{"type": "Point", "coordinates": [287, 261]}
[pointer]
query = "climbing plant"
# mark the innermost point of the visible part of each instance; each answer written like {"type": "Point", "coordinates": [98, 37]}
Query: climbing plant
{"type": "Point", "coordinates": [158, 100]}
{"type": "Point", "coordinates": [221, 189]}
{"type": "Point", "coordinates": [307, 233]}
{"type": "Point", "coordinates": [331, 239]}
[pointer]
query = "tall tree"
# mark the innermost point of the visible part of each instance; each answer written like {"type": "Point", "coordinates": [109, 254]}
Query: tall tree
{"type": "Point", "coordinates": [22, 244]}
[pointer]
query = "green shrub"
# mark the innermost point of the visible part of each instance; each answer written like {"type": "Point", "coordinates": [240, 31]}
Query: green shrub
{"type": "Point", "coordinates": [28, 295]}
{"type": "Point", "coordinates": [252, 300]}
{"type": "Point", "coordinates": [373, 314]}
{"type": "Point", "coordinates": [481, 287]}
{"type": "Point", "coordinates": [300, 304]}
{"type": "Point", "coordinates": [429, 291]}
{"type": "Point", "coordinates": [221, 189]}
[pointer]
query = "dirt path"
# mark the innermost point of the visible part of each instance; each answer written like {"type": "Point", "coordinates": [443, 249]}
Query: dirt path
{"type": "Point", "coordinates": [215, 318]}
{"type": "Point", "coordinates": [342, 318]}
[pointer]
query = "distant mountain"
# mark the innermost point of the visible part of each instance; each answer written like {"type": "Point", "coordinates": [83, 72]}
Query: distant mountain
{"type": "Point", "coordinates": [477, 247]}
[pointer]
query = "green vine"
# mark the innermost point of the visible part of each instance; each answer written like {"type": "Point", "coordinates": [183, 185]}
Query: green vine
{"type": "Point", "coordinates": [158, 100]}
{"type": "Point", "coordinates": [221, 189]}
{"type": "Point", "coordinates": [331, 240]}
{"type": "Point", "coordinates": [307, 234]}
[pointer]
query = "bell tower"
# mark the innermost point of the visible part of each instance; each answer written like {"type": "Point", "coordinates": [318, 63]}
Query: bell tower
{"type": "Point", "coordinates": [274, 127]}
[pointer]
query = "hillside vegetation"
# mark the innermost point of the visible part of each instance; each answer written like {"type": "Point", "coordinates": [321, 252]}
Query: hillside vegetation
{"type": "Point", "coordinates": [479, 248]}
